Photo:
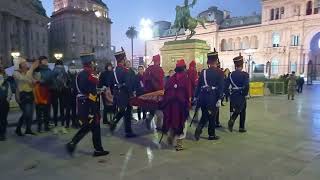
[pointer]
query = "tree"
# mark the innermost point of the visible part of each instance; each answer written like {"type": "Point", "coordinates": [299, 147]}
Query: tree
{"type": "Point", "coordinates": [132, 33]}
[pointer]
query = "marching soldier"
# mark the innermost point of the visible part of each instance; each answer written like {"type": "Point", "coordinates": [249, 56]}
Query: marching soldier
{"type": "Point", "coordinates": [123, 91]}
{"type": "Point", "coordinates": [88, 107]}
{"type": "Point", "coordinates": [239, 81]}
{"type": "Point", "coordinates": [209, 93]}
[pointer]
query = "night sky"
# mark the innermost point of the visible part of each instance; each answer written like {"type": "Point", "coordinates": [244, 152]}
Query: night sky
{"type": "Point", "coordinates": [125, 13]}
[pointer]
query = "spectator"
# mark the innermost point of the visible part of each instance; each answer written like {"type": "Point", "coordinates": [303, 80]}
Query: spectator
{"type": "Point", "coordinates": [5, 96]}
{"type": "Point", "coordinates": [140, 91]}
{"type": "Point", "coordinates": [108, 107]}
{"type": "Point", "coordinates": [71, 105]}
{"type": "Point", "coordinates": [59, 91]}
{"type": "Point", "coordinates": [44, 77]}
{"type": "Point", "coordinates": [24, 94]}
{"type": "Point", "coordinates": [300, 83]}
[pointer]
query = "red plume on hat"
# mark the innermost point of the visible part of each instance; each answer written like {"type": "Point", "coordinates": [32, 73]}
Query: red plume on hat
{"type": "Point", "coordinates": [192, 64]}
{"type": "Point", "coordinates": [156, 59]}
{"type": "Point", "coordinates": [181, 63]}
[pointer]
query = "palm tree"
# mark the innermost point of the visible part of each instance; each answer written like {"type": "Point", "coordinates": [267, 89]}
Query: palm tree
{"type": "Point", "coordinates": [132, 33]}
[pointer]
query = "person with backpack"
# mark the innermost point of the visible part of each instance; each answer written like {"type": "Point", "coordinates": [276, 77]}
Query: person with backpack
{"type": "Point", "coordinates": [44, 77]}
{"type": "Point", "coordinates": [59, 88]}
{"type": "Point", "coordinates": [5, 96]}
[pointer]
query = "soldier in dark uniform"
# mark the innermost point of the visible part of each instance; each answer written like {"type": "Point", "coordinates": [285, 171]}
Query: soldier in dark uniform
{"type": "Point", "coordinates": [88, 107]}
{"type": "Point", "coordinates": [239, 81]}
{"type": "Point", "coordinates": [209, 93]}
{"type": "Point", "coordinates": [122, 92]}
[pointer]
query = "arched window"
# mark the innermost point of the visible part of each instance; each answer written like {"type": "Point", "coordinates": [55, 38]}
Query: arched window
{"type": "Point", "coordinates": [223, 45]}
{"type": "Point", "coordinates": [237, 44]}
{"type": "Point", "coordinates": [230, 44]}
{"type": "Point", "coordinates": [254, 42]}
{"type": "Point", "coordinates": [275, 39]}
{"type": "Point", "coordinates": [274, 67]}
{"type": "Point", "coordinates": [245, 43]}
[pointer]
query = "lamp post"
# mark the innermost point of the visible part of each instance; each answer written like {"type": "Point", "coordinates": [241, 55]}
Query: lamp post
{"type": "Point", "coordinates": [58, 56]}
{"type": "Point", "coordinates": [145, 33]}
{"type": "Point", "coordinates": [249, 52]}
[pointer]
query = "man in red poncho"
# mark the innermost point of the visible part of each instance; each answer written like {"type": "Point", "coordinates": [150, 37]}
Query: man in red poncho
{"type": "Point", "coordinates": [153, 80]}
{"type": "Point", "coordinates": [193, 76]}
{"type": "Point", "coordinates": [176, 105]}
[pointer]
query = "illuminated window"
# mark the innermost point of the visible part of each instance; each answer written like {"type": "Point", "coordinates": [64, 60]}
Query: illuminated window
{"type": "Point", "coordinates": [275, 40]}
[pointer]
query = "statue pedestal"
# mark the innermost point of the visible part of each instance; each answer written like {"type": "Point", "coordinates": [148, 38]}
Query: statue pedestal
{"type": "Point", "coordinates": [191, 49]}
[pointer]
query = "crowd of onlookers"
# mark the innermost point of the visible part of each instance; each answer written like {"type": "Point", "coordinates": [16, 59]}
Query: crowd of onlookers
{"type": "Point", "coordinates": [37, 87]}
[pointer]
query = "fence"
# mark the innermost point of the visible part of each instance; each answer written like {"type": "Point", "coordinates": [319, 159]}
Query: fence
{"type": "Point", "coordinates": [275, 87]}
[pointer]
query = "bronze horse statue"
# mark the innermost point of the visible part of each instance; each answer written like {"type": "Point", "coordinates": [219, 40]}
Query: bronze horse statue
{"type": "Point", "coordinates": [185, 21]}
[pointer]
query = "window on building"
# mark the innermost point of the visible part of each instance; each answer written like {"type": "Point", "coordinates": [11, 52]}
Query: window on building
{"type": "Point", "coordinates": [258, 68]}
{"type": "Point", "coordinates": [272, 14]}
{"type": "Point", "coordinates": [281, 12]}
{"type": "Point", "coordinates": [295, 40]}
{"type": "Point", "coordinates": [223, 45]}
{"type": "Point", "coordinates": [83, 40]}
{"type": "Point", "coordinates": [293, 66]}
{"type": "Point", "coordinates": [277, 13]}
{"type": "Point", "coordinates": [274, 67]}
{"type": "Point", "coordinates": [309, 8]}
{"type": "Point", "coordinates": [275, 40]}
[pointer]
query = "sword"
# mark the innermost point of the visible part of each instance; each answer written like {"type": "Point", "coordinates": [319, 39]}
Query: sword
{"type": "Point", "coordinates": [195, 113]}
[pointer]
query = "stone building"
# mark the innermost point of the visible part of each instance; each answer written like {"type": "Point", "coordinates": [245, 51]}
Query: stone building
{"type": "Point", "coordinates": [285, 35]}
{"type": "Point", "coordinates": [23, 28]}
{"type": "Point", "coordinates": [80, 26]}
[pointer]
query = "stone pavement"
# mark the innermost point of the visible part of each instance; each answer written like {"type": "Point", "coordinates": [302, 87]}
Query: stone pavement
{"type": "Point", "coordinates": [282, 143]}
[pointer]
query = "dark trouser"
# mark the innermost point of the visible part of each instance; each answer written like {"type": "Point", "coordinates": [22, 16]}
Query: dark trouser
{"type": "Point", "coordinates": [43, 115]}
{"type": "Point", "coordinates": [108, 113]}
{"type": "Point", "coordinates": [208, 116]}
{"type": "Point", "coordinates": [239, 111]}
{"type": "Point", "coordinates": [71, 111]}
{"type": "Point", "coordinates": [58, 100]}
{"type": "Point", "coordinates": [94, 127]}
{"type": "Point", "coordinates": [88, 112]}
{"type": "Point", "coordinates": [126, 113]}
{"type": "Point", "coordinates": [4, 107]}
{"type": "Point", "coordinates": [226, 96]}
{"type": "Point", "coordinates": [300, 88]}
{"type": "Point", "coordinates": [217, 116]}
{"type": "Point", "coordinates": [26, 106]}
{"type": "Point", "coordinates": [143, 112]}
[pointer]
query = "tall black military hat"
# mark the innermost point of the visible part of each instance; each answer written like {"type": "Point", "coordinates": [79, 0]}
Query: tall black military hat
{"type": "Point", "coordinates": [213, 56]}
{"type": "Point", "coordinates": [238, 61]}
{"type": "Point", "coordinates": [121, 55]}
{"type": "Point", "coordinates": [87, 58]}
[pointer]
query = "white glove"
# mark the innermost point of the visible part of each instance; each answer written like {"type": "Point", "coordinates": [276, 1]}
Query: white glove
{"type": "Point", "coordinates": [218, 103]}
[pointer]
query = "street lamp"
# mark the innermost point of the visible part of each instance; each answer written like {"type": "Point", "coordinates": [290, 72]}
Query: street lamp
{"type": "Point", "coordinates": [15, 54]}
{"type": "Point", "coordinates": [145, 33]}
{"type": "Point", "coordinates": [58, 56]}
{"type": "Point", "coordinates": [15, 60]}
{"type": "Point", "coordinates": [249, 52]}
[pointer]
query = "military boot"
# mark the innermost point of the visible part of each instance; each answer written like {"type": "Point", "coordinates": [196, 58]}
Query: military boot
{"type": "Point", "coordinates": [197, 134]}
{"type": "Point", "coordinates": [179, 146]}
{"type": "Point", "coordinates": [230, 125]}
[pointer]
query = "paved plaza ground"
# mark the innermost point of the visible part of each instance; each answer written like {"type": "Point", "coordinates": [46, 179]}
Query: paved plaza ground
{"type": "Point", "coordinates": [282, 143]}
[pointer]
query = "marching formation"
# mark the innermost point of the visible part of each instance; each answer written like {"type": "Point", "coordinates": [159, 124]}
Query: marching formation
{"type": "Point", "coordinates": [169, 100]}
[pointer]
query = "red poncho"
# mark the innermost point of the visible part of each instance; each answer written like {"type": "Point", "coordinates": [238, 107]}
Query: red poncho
{"type": "Point", "coordinates": [193, 76]}
{"type": "Point", "coordinates": [176, 102]}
